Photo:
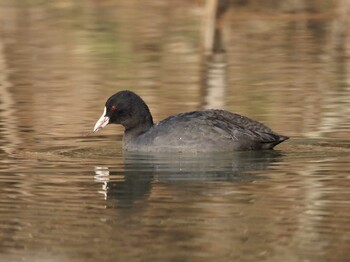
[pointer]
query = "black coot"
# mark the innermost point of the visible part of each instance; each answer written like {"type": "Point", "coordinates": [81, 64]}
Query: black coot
{"type": "Point", "coordinates": [197, 131]}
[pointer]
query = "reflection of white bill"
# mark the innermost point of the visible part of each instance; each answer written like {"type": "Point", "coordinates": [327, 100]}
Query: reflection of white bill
{"type": "Point", "coordinates": [102, 175]}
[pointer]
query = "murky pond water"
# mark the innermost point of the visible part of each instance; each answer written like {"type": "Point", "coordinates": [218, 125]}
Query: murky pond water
{"type": "Point", "coordinates": [65, 196]}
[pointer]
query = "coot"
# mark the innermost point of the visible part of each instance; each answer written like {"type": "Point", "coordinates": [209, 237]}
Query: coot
{"type": "Point", "coordinates": [198, 131]}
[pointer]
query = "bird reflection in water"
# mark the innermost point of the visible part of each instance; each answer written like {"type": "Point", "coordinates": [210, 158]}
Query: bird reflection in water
{"type": "Point", "coordinates": [124, 188]}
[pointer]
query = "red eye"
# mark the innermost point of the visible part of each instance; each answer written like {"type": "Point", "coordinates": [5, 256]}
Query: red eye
{"type": "Point", "coordinates": [113, 108]}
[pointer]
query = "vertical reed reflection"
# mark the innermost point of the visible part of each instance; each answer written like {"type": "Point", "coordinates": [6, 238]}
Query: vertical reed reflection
{"type": "Point", "coordinates": [214, 72]}
{"type": "Point", "coordinates": [214, 81]}
{"type": "Point", "coordinates": [9, 138]}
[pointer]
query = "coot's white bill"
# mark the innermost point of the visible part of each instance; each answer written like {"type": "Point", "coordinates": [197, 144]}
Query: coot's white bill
{"type": "Point", "coordinates": [102, 122]}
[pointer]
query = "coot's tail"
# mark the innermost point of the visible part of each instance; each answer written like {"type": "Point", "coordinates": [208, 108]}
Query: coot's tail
{"type": "Point", "coordinates": [277, 140]}
{"type": "Point", "coordinates": [282, 138]}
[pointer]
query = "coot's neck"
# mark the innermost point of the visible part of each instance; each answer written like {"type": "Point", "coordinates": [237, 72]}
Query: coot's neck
{"type": "Point", "coordinates": [138, 130]}
{"type": "Point", "coordinates": [140, 123]}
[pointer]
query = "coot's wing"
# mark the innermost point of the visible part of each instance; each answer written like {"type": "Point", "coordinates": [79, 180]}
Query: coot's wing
{"type": "Point", "coordinates": [221, 125]}
{"type": "Point", "coordinates": [239, 120]}
{"type": "Point", "coordinates": [263, 133]}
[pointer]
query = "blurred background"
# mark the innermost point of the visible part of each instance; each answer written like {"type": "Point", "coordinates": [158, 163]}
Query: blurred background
{"type": "Point", "coordinates": [282, 62]}
{"type": "Point", "coordinates": [285, 63]}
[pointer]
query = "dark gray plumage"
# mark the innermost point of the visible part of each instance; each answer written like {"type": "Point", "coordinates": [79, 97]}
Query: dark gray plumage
{"type": "Point", "coordinates": [197, 131]}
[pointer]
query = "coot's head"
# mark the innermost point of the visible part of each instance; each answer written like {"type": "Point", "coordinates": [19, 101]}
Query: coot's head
{"type": "Point", "coordinates": [125, 108]}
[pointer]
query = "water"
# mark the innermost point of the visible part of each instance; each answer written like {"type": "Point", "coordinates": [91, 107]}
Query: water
{"type": "Point", "coordinates": [65, 196]}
